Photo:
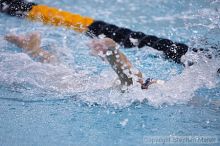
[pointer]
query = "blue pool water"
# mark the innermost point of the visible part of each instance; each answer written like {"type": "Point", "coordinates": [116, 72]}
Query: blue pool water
{"type": "Point", "coordinates": [76, 101]}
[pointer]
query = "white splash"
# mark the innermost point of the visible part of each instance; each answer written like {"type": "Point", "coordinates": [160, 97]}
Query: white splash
{"type": "Point", "coordinates": [19, 68]}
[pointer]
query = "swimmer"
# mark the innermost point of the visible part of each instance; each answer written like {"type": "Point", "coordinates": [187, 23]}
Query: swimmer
{"type": "Point", "coordinates": [105, 48]}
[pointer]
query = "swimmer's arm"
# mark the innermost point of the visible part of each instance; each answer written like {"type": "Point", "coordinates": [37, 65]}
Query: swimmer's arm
{"type": "Point", "coordinates": [31, 45]}
{"type": "Point", "coordinates": [118, 61]}
{"type": "Point", "coordinates": [123, 67]}
{"type": "Point", "coordinates": [120, 64]}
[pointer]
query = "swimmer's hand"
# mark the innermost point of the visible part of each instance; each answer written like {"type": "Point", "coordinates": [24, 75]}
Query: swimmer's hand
{"type": "Point", "coordinates": [31, 45]}
{"type": "Point", "coordinates": [30, 42]}
{"type": "Point", "coordinates": [99, 47]}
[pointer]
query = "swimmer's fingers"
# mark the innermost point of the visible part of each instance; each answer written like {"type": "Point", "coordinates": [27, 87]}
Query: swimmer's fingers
{"type": "Point", "coordinates": [92, 43]}
{"type": "Point", "coordinates": [15, 39]}
{"type": "Point", "coordinates": [11, 38]}
{"type": "Point", "coordinates": [102, 44]}
{"type": "Point", "coordinates": [109, 43]}
{"type": "Point", "coordinates": [97, 48]}
{"type": "Point", "coordinates": [105, 42]}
